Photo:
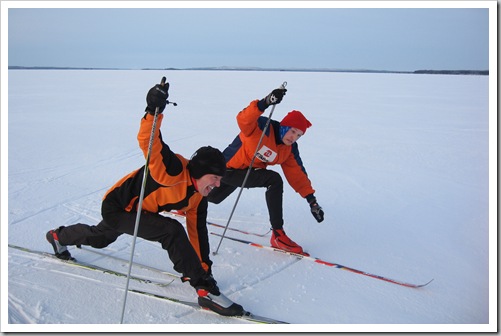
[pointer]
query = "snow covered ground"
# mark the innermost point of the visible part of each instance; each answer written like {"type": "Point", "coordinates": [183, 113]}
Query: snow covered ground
{"type": "Point", "coordinates": [400, 164]}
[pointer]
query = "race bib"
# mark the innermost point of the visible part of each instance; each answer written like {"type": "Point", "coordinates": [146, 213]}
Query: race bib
{"type": "Point", "coordinates": [266, 155]}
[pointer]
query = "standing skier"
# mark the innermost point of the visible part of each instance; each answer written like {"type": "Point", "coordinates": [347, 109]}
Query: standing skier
{"type": "Point", "coordinates": [173, 183]}
{"type": "Point", "coordinates": [278, 147]}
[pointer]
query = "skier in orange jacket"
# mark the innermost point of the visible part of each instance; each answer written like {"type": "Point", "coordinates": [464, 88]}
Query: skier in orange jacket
{"type": "Point", "coordinates": [173, 183]}
{"type": "Point", "coordinates": [278, 147]}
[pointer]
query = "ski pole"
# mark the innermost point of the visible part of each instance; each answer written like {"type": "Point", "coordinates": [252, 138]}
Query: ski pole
{"type": "Point", "coordinates": [284, 84]}
{"type": "Point", "coordinates": [140, 204]}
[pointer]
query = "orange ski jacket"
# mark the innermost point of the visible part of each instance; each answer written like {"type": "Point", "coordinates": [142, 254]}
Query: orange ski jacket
{"type": "Point", "coordinates": [168, 187]}
{"type": "Point", "coordinates": [271, 152]}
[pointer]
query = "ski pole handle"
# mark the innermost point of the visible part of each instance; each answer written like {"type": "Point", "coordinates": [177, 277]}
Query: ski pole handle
{"type": "Point", "coordinates": [162, 82]}
{"type": "Point", "coordinates": [157, 109]}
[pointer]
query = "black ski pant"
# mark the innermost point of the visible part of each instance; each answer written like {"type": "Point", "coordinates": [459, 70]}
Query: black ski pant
{"type": "Point", "coordinates": [258, 178]}
{"type": "Point", "coordinates": [154, 227]}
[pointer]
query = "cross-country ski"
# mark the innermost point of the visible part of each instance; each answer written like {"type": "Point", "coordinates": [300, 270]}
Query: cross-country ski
{"type": "Point", "coordinates": [324, 262]}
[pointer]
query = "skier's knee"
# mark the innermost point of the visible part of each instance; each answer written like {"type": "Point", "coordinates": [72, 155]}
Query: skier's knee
{"type": "Point", "coordinates": [275, 181]}
{"type": "Point", "coordinates": [213, 199]}
{"type": "Point", "coordinates": [216, 196]}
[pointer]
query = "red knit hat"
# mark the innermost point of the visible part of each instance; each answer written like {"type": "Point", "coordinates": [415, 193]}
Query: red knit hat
{"type": "Point", "coordinates": [297, 120]}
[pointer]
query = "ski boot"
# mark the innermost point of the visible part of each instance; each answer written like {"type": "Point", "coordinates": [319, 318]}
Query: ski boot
{"type": "Point", "coordinates": [209, 297]}
{"type": "Point", "coordinates": [281, 241]}
{"type": "Point", "coordinates": [59, 250]}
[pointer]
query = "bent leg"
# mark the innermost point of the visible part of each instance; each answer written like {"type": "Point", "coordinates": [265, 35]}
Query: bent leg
{"type": "Point", "coordinates": [97, 236]}
{"type": "Point", "coordinates": [274, 185]}
{"type": "Point", "coordinates": [172, 237]}
{"type": "Point", "coordinates": [262, 178]}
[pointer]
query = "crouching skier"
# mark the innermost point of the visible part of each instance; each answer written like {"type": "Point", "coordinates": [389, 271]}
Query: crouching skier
{"type": "Point", "coordinates": [173, 183]}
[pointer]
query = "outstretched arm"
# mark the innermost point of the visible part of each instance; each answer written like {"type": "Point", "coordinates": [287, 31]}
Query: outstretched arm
{"type": "Point", "coordinates": [163, 163]}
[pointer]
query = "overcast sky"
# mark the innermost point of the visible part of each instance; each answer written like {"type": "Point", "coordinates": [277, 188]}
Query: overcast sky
{"type": "Point", "coordinates": [400, 39]}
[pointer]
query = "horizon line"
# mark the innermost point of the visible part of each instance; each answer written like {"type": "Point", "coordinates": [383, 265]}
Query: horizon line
{"type": "Point", "coordinates": [243, 68]}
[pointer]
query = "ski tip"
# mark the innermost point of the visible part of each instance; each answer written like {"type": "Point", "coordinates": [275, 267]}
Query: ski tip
{"type": "Point", "coordinates": [418, 286]}
{"type": "Point", "coordinates": [426, 283]}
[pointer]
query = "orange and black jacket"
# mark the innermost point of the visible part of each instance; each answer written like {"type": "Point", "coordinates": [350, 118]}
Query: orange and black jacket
{"type": "Point", "coordinates": [168, 187]}
{"type": "Point", "coordinates": [272, 150]}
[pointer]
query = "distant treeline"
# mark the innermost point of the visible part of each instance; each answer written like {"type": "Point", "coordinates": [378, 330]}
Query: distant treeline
{"type": "Point", "coordinates": [453, 72]}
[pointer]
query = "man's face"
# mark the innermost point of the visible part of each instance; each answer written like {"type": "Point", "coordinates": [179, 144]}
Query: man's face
{"type": "Point", "coordinates": [208, 182]}
{"type": "Point", "coordinates": [292, 135]}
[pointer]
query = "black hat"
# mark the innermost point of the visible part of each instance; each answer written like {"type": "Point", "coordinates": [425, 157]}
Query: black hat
{"type": "Point", "coordinates": [207, 160]}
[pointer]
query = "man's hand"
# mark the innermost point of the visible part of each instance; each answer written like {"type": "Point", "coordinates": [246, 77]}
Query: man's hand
{"type": "Point", "coordinates": [157, 97]}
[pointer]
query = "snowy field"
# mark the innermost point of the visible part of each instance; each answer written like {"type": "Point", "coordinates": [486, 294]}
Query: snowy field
{"type": "Point", "coordinates": [400, 164]}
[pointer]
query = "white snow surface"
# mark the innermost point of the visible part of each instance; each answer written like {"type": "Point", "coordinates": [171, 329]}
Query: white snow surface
{"type": "Point", "coordinates": [399, 162]}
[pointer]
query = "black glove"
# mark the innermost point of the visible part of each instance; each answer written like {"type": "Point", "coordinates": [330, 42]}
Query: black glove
{"type": "Point", "coordinates": [157, 97]}
{"type": "Point", "coordinates": [316, 210]}
{"type": "Point", "coordinates": [275, 97]}
{"type": "Point", "coordinates": [207, 283]}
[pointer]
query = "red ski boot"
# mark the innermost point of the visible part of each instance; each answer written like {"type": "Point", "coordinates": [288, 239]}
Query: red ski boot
{"type": "Point", "coordinates": [281, 241]}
